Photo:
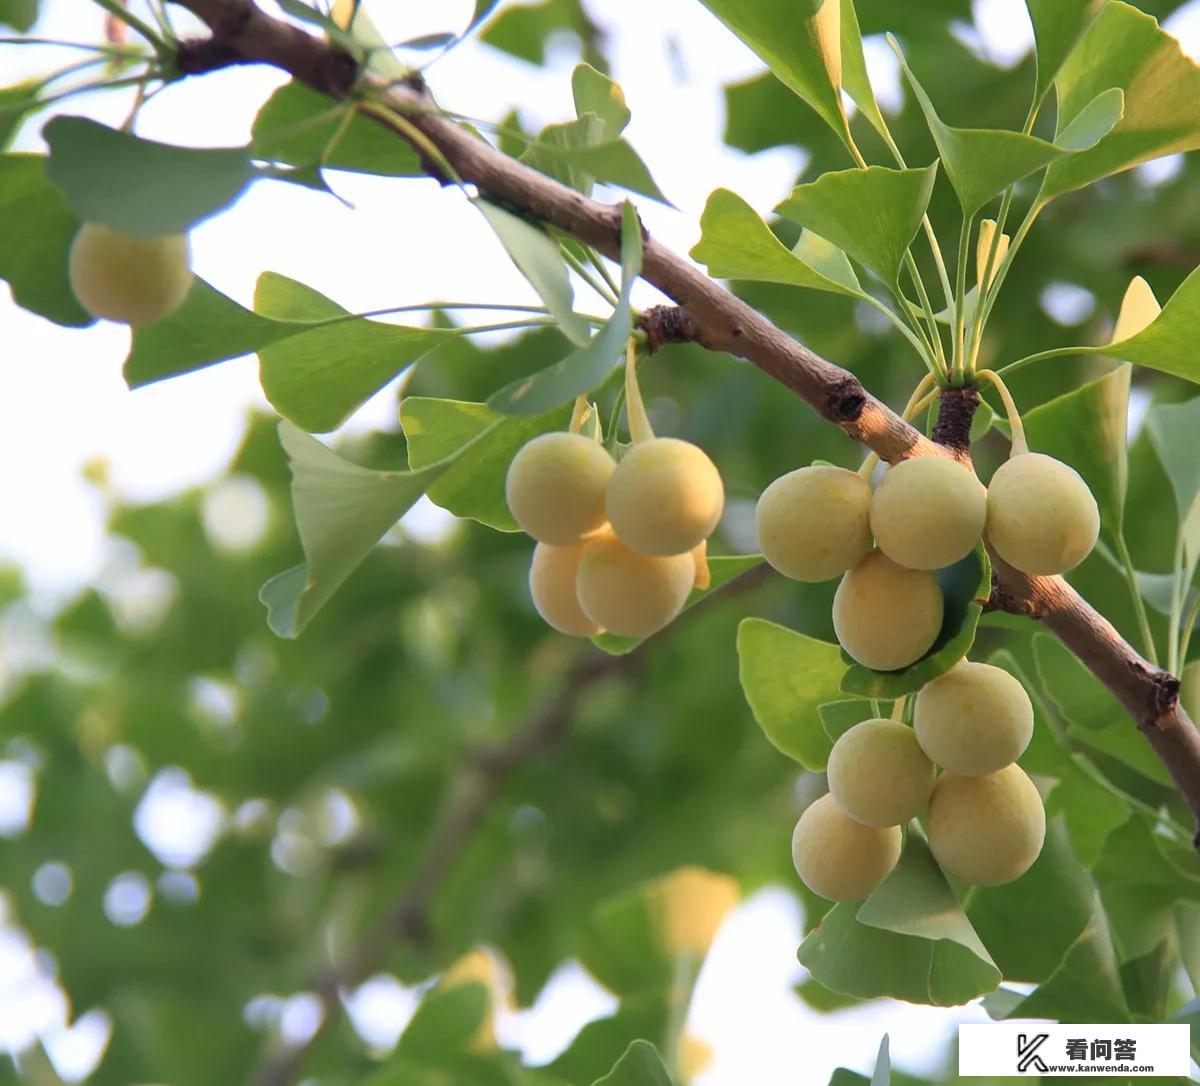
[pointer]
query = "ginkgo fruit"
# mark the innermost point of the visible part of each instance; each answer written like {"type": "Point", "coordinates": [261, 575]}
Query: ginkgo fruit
{"type": "Point", "coordinates": [1041, 516]}
{"type": "Point", "coordinates": [665, 496]}
{"type": "Point", "coordinates": [838, 858]}
{"type": "Point", "coordinates": [986, 830]}
{"type": "Point", "coordinates": [878, 773]}
{"type": "Point", "coordinates": [885, 616]}
{"type": "Point", "coordinates": [928, 512]}
{"type": "Point", "coordinates": [124, 278]}
{"type": "Point", "coordinates": [974, 719]}
{"type": "Point", "coordinates": [814, 523]}
{"type": "Point", "coordinates": [552, 577]}
{"type": "Point", "coordinates": [628, 593]}
{"type": "Point", "coordinates": [555, 487]}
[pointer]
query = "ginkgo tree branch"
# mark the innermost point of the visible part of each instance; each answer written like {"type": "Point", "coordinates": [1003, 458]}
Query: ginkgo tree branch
{"type": "Point", "coordinates": [709, 315]}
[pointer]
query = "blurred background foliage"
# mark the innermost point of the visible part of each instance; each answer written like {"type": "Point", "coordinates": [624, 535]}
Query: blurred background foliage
{"type": "Point", "coordinates": [309, 773]}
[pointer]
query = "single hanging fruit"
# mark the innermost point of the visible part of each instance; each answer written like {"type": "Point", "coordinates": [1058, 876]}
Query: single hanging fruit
{"type": "Point", "coordinates": [838, 858]}
{"type": "Point", "coordinates": [974, 719]}
{"type": "Point", "coordinates": [885, 616]}
{"type": "Point", "coordinates": [928, 512]}
{"type": "Point", "coordinates": [1041, 516]}
{"type": "Point", "coordinates": [129, 279]}
{"type": "Point", "coordinates": [552, 577]}
{"type": "Point", "coordinates": [555, 487]}
{"type": "Point", "coordinates": [813, 523]}
{"type": "Point", "coordinates": [665, 497]}
{"type": "Point", "coordinates": [878, 773]}
{"type": "Point", "coordinates": [632, 594]}
{"type": "Point", "coordinates": [986, 830]}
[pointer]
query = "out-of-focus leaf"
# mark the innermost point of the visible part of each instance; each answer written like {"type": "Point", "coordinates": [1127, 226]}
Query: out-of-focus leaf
{"type": "Point", "coordinates": [595, 93]}
{"type": "Point", "coordinates": [38, 230]}
{"type": "Point", "coordinates": [19, 14]}
{"type": "Point", "coordinates": [474, 486]}
{"type": "Point", "coordinates": [317, 379]}
{"type": "Point", "coordinates": [638, 942]}
{"type": "Point", "coordinates": [584, 369]}
{"type": "Point", "coordinates": [801, 43]}
{"type": "Point", "coordinates": [16, 102]}
{"type": "Point", "coordinates": [288, 129]}
{"type": "Point", "coordinates": [786, 676]}
{"type": "Point", "coordinates": [138, 186]}
{"type": "Point", "coordinates": [445, 1021]}
{"type": "Point", "coordinates": [965, 588]}
{"type": "Point", "coordinates": [722, 569]}
{"type": "Point", "coordinates": [1091, 808]}
{"type": "Point", "coordinates": [540, 260]}
{"type": "Point", "coordinates": [1125, 48]}
{"type": "Point", "coordinates": [1086, 429]}
{"type": "Point", "coordinates": [871, 214]}
{"type": "Point", "coordinates": [640, 1066]}
{"type": "Point", "coordinates": [736, 244]}
{"type": "Point", "coordinates": [1173, 429]}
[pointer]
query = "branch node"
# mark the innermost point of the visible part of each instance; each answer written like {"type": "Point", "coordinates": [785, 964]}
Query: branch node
{"type": "Point", "coordinates": [844, 400]}
{"type": "Point", "coordinates": [953, 426]}
{"type": "Point", "coordinates": [1001, 599]}
{"type": "Point", "coordinates": [665, 324]}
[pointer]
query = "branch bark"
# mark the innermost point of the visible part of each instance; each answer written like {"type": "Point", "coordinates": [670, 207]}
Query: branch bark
{"type": "Point", "coordinates": [717, 319]}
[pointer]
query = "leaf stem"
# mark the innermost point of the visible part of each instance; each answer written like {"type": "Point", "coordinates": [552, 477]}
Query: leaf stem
{"type": "Point", "coordinates": [148, 32]}
{"type": "Point", "coordinates": [1139, 605]}
{"type": "Point", "coordinates": [1178, 592]}
{"type": "Point", "coordinates": [585, 274]}
{"type": "Point", "coordinates": [960, 295]}
{"type": "Point", "coordinates": [1019, 445]}
{"type": "Point", "coordinates": [1189, 624]}
{"type": "Point", "coordinates": [635, 407]}
{"type": "Point", "coordinates": [1053, 352]}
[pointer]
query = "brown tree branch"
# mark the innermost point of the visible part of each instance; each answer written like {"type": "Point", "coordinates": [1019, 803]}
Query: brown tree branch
{"type": "Point", "coordinates": [721, 321]}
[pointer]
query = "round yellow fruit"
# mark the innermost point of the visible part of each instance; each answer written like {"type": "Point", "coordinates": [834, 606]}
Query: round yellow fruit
{"type": "Point", "coordinates": [885, 616]}
{"type": "Point", "coordinates": [986, 830]}
{"type": "Point", "coordinates": [552, 579]}
{"type": "Point", "coordinates": [878, 773]}
{"type": "Point", "coordinates": [838, 858]}
{"type": "Point", "coordinates": [1041, 516]}
{"type": "Point", "coordinates": [129, 279]}
{"type": "Point", "coordinates": [555, 487]}
{"type": "Point", "coordinates": [928, 512]}
{"type": "Point", "coordinates": [813, 523]}
{"type": "Point", "coordinates": [632, 594]}
{"type": "Point", "coordinates": [974, 719]}
{"type": "Point", "coordinates": [665, 496]}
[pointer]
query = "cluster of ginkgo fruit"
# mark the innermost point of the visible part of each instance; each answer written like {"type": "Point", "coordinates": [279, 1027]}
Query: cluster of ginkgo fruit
{"type": "Point", "coordinates": [984, 817]}
{"type": "Point", "coordinates": [620, 544]}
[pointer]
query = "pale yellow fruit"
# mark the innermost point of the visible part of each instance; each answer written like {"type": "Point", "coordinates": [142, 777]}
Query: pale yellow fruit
{"type": "Point", "coordinates": [555, 487]}
{"type": "Point", "coordinates": [1041, 516]}
{"type": "Point", "coordinates": [928, 512]}
{"type": "Point", "coordinates": [838, 858]}
{"type": "Point", "coordinates": [665, 496]}
{"type": "Point", "coordinates": [632, 594]}
{"type": "Point", "coordinates": [974, 719]}
{"type": "Point", "coordinates": [986, 830]}
{"type": "Point", "coordinates": [129, 279]}
{"type": "Point", "coordinates": [885, 616]}
{"type": "Point", "coordinates": [552, 577]}
{"type": "Point", "coordinates": [878, 773]}
{"type": "Point", "coordinates": [813, 523]}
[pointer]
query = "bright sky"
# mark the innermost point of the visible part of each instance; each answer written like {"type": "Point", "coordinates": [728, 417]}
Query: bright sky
{"type": "Point", "coordinates": [63, 405]}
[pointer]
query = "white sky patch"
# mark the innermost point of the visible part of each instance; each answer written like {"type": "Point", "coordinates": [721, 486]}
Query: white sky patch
{"type": "Point", "coordinates": [128, 899]}
{"type": "Point", "coordinates": [380, 1008]}
{"type": "Point", "coordinates": [18, 788]}
{"type": "Point", "coordinates": [176, 821]}
{"type": "Point", "coordinates": [1067, 303]}
{"type": "Point", "coordinates": [236, 514]}
{"type": "Point", "coordinates": [568, 1001]}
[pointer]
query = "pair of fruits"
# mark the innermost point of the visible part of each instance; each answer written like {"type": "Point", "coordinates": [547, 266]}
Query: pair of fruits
{"type": "Point", "coordinates": [619, 545]}
{"type": "Point", "coordinates": [985, 821]}
{"type": "Point", "coordinates": [928, 512]}
{"type": "Point", "coordinates": [132, 280]}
